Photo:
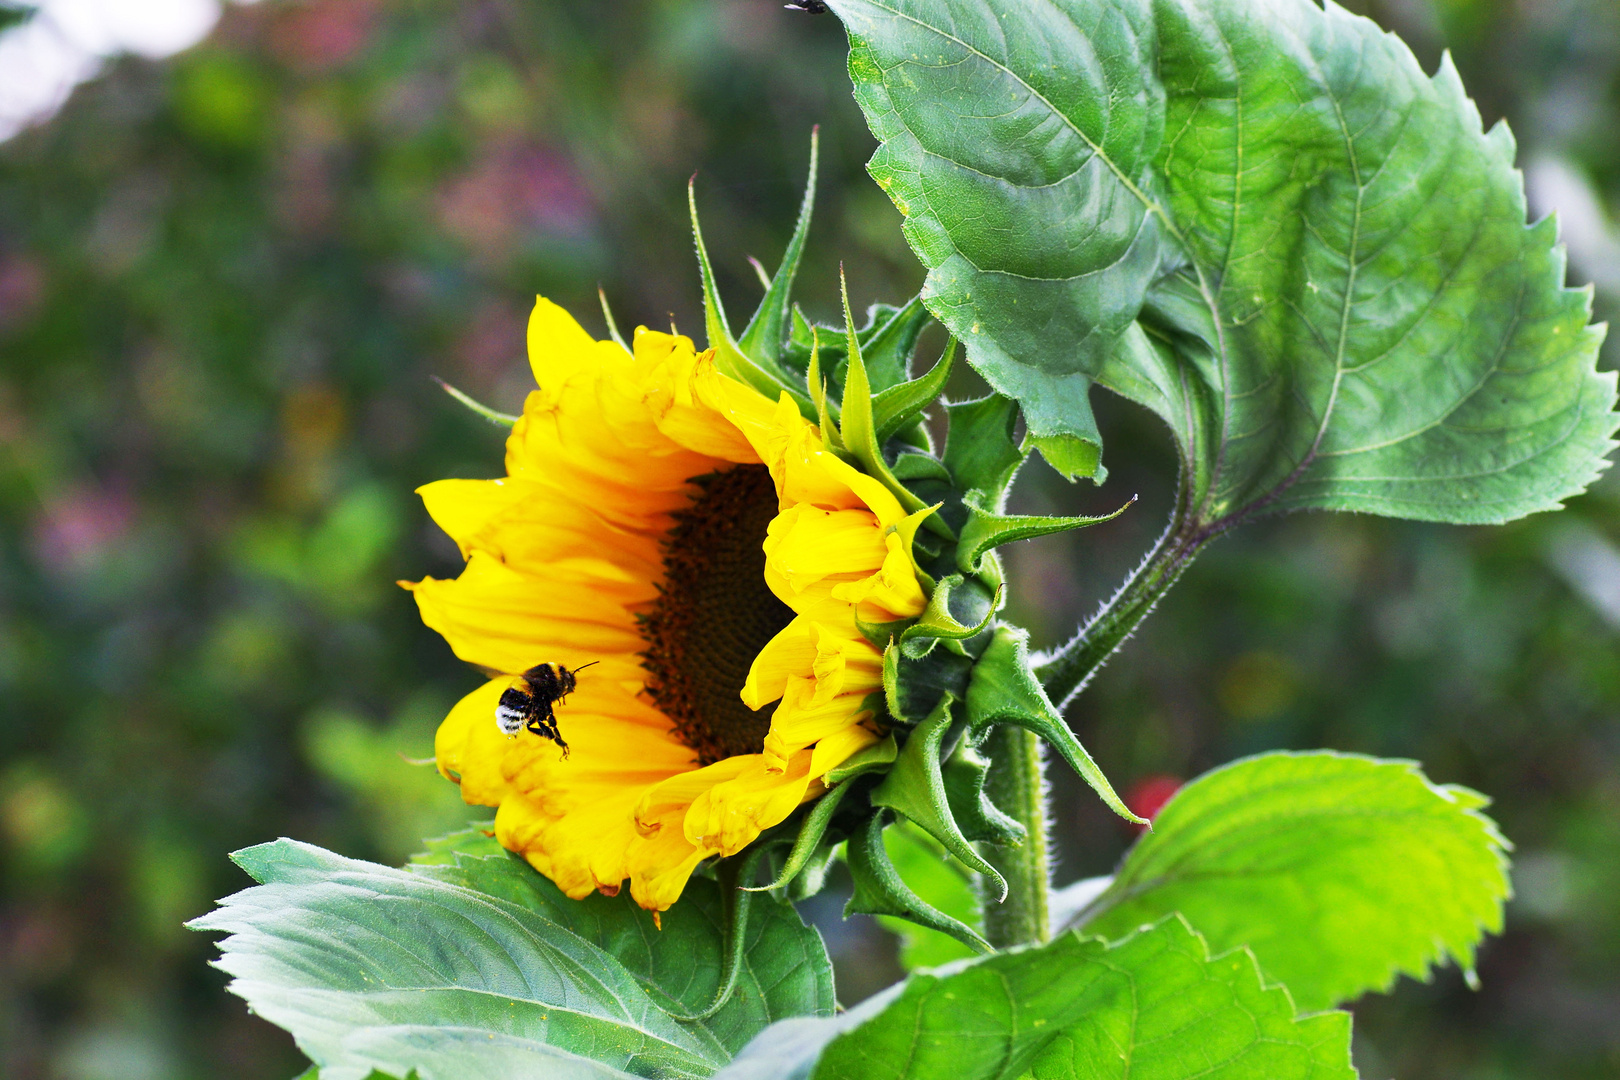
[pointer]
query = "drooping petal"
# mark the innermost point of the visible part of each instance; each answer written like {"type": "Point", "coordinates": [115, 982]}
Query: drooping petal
{"type": "Point", "coordinates": [731, 814]}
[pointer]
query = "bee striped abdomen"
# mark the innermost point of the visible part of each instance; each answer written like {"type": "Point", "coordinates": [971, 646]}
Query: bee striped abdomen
{"type": "Point", "coordinates": [529, 703]}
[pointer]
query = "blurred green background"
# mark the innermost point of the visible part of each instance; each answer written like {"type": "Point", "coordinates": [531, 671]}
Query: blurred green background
{"type": "Point", "coordinates": [225, 281]}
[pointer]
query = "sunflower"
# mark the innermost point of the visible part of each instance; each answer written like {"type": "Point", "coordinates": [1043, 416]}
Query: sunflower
{"type": "Point", "coordinates": [715, 559]}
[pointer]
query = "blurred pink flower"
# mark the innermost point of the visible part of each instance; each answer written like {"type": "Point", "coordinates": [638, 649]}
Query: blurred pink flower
{"type": "Point", "coordinates": [22, 287]}
{"type": "Point", "coordinates": [79, 525]}
{"type": "Point", "coordinates": [510, 191]}
{"type": "Point", "coordinates": [324, 34]}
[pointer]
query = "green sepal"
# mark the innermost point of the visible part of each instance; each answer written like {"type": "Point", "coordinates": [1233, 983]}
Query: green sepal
{"type": "Point", "coordinates": [978, 818]}
{"type": "Point", "coordinates": [912, 688]}
{"type": "Point", "coordinates": [938, 623]}
{"type": "Point", "coordinates": [920, 467]}
{"type": "Point", "coordinates": [986, 529]}
{"type": "Point", "coordinates": [499, 419]}
{"type": "Point", "coordinates": [900, 406]}
{"type": "Point", "coordinates": [980, 451]}
{"type": "Point", "coordinates": [813, 878]}
{"type": "Point", "coordinates": [914, 787]}
{"type": "Point", "coordinates": [879, 889]}
{"type": "Point", "coordinates": [887, 342]}
{"type": "Point", "coordinates": [874, 758]}
{"type": "Point", "coordinates": [826, 410]}
{"type": "Point", "coordinates": [858, 426]}
{"type": "Point", "coordinates": [1003, 690]}
{"type": "Point", "coordinates": [728, 357]}
{"type": "Point", "coordinates": [612, 323]}
{"type": "Point", "coordinates": [811, 832]}
{"type": "Point", "coordinates": [881, 635]}
{"type": "Point", "coordinates": [887, 345]}
{"type": "Point", "coordinates": [765, 333]}
{"type": "Point", "coordinates": [800, 333]}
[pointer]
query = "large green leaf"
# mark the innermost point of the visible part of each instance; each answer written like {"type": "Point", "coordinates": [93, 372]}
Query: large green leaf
{"type": "Point", "coordinates": [1155, 1005]}
{"type": "Point", "coordinates": [1339, 872]}
{"type": "Point", "coordinates": [785, 970]}
{"type": "Point", "coordinates": [473, 965]}
{"type": "Point", "coordinates": [1344, 307]}
{"type": "Point", "coordinates": [1012, 137]}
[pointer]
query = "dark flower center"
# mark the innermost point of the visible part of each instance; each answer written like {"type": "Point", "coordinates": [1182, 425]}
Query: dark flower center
{"type": "Point", "coordinates": [714, 614]}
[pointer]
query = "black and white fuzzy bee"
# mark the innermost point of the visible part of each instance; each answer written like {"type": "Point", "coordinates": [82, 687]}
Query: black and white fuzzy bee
{"type": "Point", "coordinates": [529, 702]}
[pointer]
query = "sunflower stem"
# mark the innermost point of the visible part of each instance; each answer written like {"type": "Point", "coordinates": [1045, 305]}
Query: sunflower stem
{"type": "Point", "coordinates": [1017, 785]}
{"type": "Point", "coordinates": [1065, 671]}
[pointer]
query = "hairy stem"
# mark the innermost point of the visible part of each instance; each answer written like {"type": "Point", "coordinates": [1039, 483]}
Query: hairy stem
{"type": "Point", "coordinates": [1065, 671]}
{"type": "Point", "coordinates": [1017, 786]}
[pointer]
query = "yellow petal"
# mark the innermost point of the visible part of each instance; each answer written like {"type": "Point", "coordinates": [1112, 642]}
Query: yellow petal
{"type": "Point", "coordinates": [806, 544]}
{"type": "Point", "coordinates": [791, 652]}
{"type": "Point", "coordinates": [800, 720]}
{"type": "Point", "coordinates": [470, 747]}
{"type": "Point", "coordinates": [660, 867]}
{"type": "Point", "coordinates": [681, 397]}
{"type": "Point", "coordinates": [839, 747]}
{"type": "Point", "coordinates": [496, 617]}
{"type": "Point", "coordinates": [560, 349]}
{"type": "Point", "coordinates": [524, 525]}
{"type": "Point", "coordinates": [730, 815]}
{"type": "Point", "coordinates": [668, 801]}
{"type": "Point", "coordinates": [891, 593]}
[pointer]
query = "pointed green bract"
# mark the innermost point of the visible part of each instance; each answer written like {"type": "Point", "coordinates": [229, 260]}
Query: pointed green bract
{"type": "Point", "coordinates": [915, 788]}
{"type": "Point", "coordinates": [986, 530]}
{"type": "Point", "coordinates": [943, 883]}
{"type": "Point", "coordinates": [811, 838]}
{"type": "Point", "coordinates": [912, 688]}
{"type": "Point", "coordinates": [874, 758]}
{"type": "Point", "coordinates": [763, 375]}
{"type": "Point", "coordinates": [909, 466]}
{"type": "Point", "coordinates": [608, 319]}
{"type": "Point", "coordinates": [965, 772]}
{"type": "Point", "coordinates": [1339, 871]}
{"type": "Point", "coordinates": [858, 427]}
{"type": "Point", "coordinates": [887, 344]}
{"type": "Point", "coordinates": [1323, 282]}
{"type": "Point", "coordinates": [901, 405]}
{"type": "Point", "coordinates": [808, 841]}
{"type": "Point", "coordinates": [767, 330]}
{"type": "Point", "coordinates": [825, 407]}
{"type": "Point", "coordinates": [1004, 691]}
{"type": "Point", "coordinates": [1155, 1005]}
{"type": "Point", "coordinates": [879, 890]}
{"type": "Point", "coordinates": [499, 419]}
{"type": "Point", "coordinates": [938, 622]}
{"type": "Point", "coordinates": [736, 878]}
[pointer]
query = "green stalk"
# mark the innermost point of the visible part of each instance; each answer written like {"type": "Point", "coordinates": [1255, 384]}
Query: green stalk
{"type": "Point", "coordinates": [1065, 672]}
{"type": "Point", "coordinates": [1016, 785]}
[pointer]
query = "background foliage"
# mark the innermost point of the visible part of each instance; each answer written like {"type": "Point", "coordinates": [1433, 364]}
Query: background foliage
{"type": "Point", "coordinates": [224, 283]}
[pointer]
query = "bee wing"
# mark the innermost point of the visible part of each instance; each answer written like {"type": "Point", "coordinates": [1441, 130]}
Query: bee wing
{"type": "Point", "coordinates": [493, 673]}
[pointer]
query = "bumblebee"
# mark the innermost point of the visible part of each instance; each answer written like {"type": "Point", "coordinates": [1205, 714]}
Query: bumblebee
{"type": "Point", "coordinates": [809, 7]}
{"type": "Point", "coordinates": [529, 703]}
